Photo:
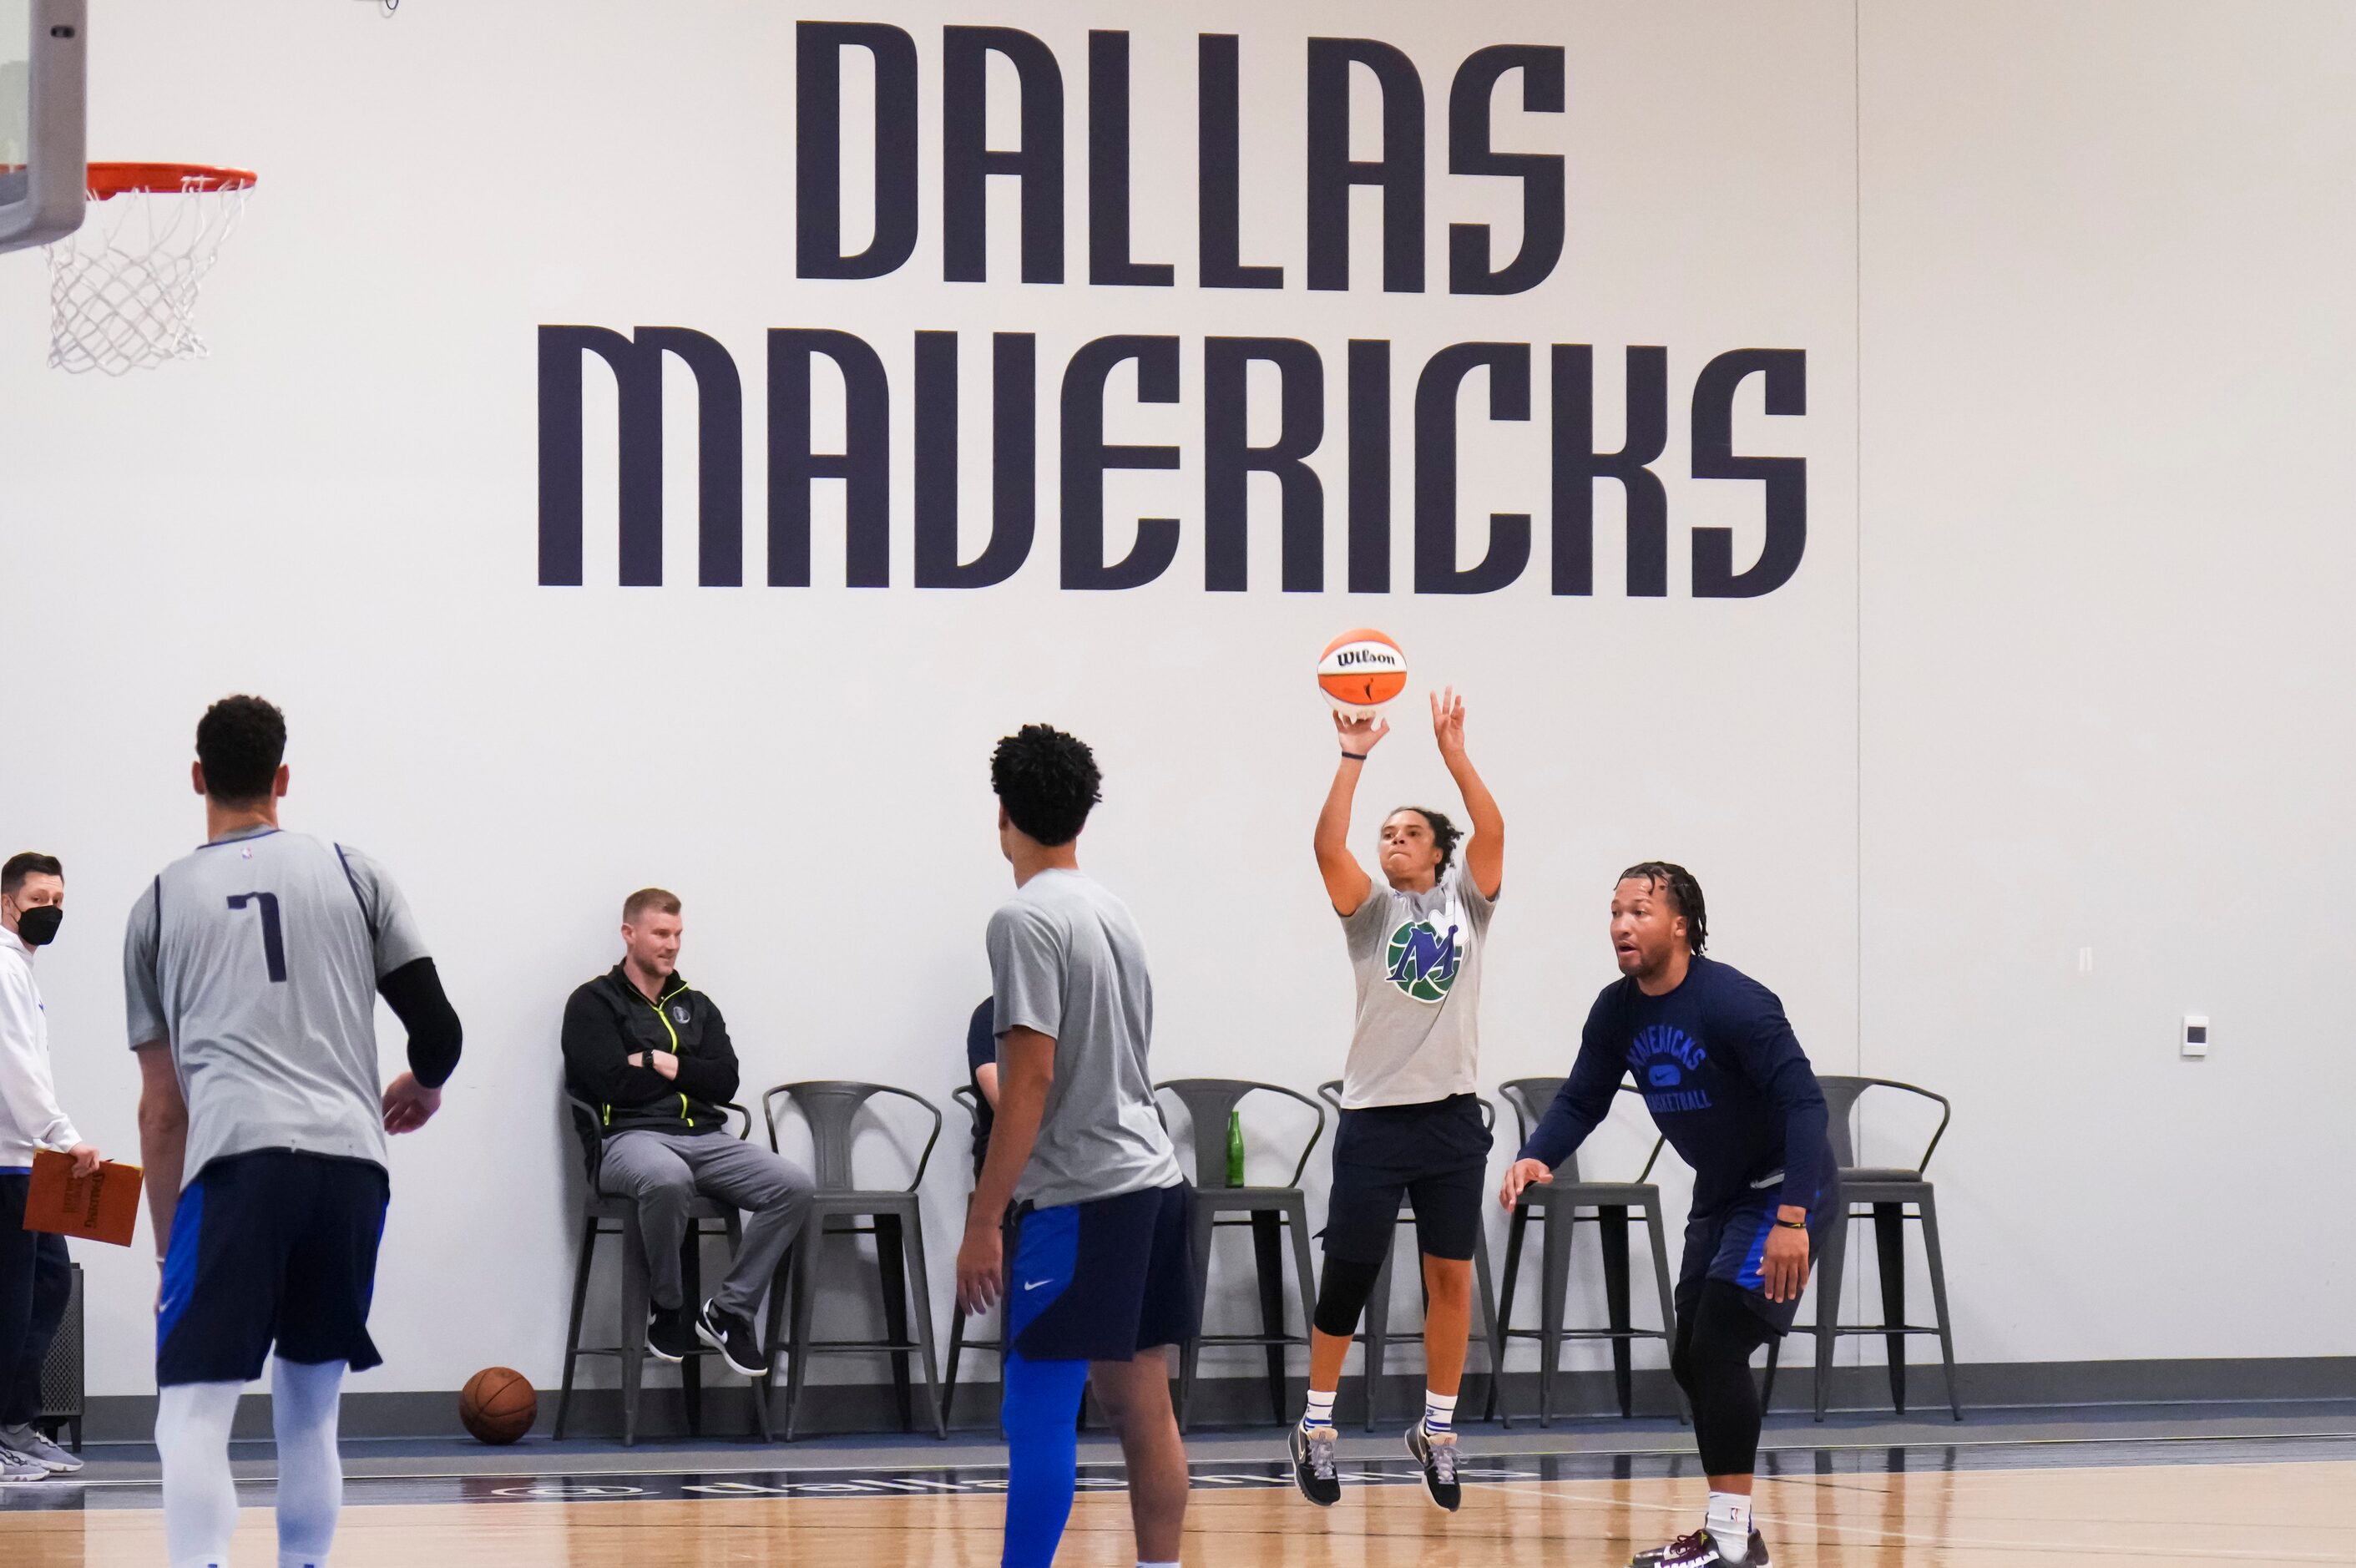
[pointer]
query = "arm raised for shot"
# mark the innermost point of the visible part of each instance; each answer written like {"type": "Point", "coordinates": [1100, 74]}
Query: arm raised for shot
{"type": "Point", "coordinates": [1484, 855]}
{"type": "Point", "coordinates": [1346, 882]}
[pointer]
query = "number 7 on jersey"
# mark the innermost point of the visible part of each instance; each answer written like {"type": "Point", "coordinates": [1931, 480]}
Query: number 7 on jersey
{"type": "Point", "coordinates": [274, 942]}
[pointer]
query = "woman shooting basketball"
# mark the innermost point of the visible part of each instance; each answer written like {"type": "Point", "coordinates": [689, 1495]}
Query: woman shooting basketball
{"type": "Point", "coordinates": [1410, 1124]}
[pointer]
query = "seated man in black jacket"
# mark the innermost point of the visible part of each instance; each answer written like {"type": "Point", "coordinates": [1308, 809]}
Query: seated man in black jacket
{"type": "Point", "coordinates": [653, 1057]}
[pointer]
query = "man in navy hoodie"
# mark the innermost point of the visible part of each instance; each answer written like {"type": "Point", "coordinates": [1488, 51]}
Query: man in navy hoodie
{"type": "Point", "coordinates": [1733, 1091]}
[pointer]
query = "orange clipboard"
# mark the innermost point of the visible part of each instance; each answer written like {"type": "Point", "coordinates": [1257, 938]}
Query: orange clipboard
{"type": "Point", "coordinates": [102, 1207]}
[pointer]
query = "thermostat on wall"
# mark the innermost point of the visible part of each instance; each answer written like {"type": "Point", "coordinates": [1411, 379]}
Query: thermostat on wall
{"type": "Point", "coordinates": [2196, 1034]}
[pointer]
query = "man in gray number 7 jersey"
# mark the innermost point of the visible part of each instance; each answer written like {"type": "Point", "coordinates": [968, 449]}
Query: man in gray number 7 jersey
{"type": "Point", "coordinates": [250, 972]}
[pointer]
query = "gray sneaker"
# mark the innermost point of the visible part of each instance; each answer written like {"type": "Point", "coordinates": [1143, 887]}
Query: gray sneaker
{"type": "Point", "coordinates": [15, 1469]}
{"type": "Point", "coordinates": [30, 1441]}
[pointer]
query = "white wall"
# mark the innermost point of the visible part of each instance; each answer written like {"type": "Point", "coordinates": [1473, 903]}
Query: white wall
{"type": "Point", "coordinates": [2058, 677]}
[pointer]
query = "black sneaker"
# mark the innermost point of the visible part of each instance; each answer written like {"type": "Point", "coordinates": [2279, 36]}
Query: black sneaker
{"type": "Point", "coordinates": [734, 1336]}
{"type": "Point", "coordinates": [669, 1339]}
{"type": "Point", "coordinates": [1313, 1464]}
{"type": "Point", "coordinates": [1698, 1550]}
{"type": "Point", "coordinates": [1435, 1452]}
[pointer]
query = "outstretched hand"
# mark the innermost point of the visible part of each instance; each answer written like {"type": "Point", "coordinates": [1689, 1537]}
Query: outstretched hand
{"type": "Point", "coordinates": [1448, 721]}
{"type": "Point", "coordinates": [1360, 735]}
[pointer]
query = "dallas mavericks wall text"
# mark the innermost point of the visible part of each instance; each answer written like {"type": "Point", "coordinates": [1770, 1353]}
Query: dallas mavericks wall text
{"type": "Point", "coordinates": [1159, 361]}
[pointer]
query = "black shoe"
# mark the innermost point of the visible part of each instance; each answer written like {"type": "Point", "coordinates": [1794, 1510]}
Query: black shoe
{"type": "Point", "coordinates": [733, 1337]}
{"type": "Point", "coordinates": [1435, 1452]}
{"type": "Point", "coordinates": [1698, 1550]}
{"type": "Point", "coordinates": [1313, 1464]}
{"type": "Point", "coordinates": [669, 1339]}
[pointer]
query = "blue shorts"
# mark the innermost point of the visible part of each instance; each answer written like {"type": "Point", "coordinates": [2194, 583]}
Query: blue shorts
{"type": "Point", "coordinates": [1102, 1280]}
{"type": "Point", "coordinates": [271, 1247]}
{"type": "Point", "coordinates": [1729, 1245]}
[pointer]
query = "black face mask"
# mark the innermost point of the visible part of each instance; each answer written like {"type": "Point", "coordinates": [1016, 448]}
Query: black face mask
{"type": "Point", "coordinates": [38, 925]}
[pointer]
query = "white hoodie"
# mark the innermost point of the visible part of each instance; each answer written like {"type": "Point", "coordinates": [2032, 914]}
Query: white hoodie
{"type": "Point", "coordinates": [31, 1118]}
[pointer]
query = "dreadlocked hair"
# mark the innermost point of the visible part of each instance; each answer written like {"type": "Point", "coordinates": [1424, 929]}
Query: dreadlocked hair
{"type": "Point", "coordinates": [1682, 889]}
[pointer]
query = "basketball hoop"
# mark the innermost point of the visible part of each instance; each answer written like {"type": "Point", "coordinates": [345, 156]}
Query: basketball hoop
{"type": "Point", "coordinates": [123, 288]}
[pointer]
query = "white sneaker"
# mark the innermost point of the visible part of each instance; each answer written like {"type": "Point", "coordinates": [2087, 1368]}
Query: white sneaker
{"type": "Point", "coordinates": [33, 1444]}
{"type": "Point", "coordinates": [15, 1469]}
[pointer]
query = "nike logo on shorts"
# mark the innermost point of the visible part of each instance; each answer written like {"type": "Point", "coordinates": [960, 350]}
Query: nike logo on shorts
{"type": "Point", "coordinates": [1034, 1284]}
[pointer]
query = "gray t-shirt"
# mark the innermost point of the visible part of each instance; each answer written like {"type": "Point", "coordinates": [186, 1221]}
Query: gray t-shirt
{"type": "Point", "coordinates": [1417, 959]}
{"type": "Point", "coordinates": [1066, 959]}
{"type": "Point", "coordinates": [257, 957]}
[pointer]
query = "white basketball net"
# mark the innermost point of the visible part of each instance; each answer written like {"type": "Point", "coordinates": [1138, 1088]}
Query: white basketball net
{"type": "Point", "coordinates": [123, 288]}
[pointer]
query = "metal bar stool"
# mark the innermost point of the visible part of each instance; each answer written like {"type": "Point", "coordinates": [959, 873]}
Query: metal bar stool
{"type": "Point", "coordinates": [606, 1215]}
{"type": "Point", "coordinates": [1377, 1334]}
{"type": "Point", "coordinates": [1880, 1194]}
{"type": "Point", "coordinates": [1613, 1202]}
{"type": "Point", "coordinates": [829, 1107]}
{"type": "Point", "coordinates": [1267, 1209]}
{"type": "Point", "coordinates": [958, 1343]}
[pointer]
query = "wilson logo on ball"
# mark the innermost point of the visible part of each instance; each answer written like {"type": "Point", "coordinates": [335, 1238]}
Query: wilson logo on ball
{"type": "Point", "coordinates": [1360, 670]}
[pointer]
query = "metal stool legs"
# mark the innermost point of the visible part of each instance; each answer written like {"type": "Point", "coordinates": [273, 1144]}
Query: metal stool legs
{"type": "Point", "coordinates": [1612, 1221]}
{"type": "Point", "coordinates": [1268, 1209]}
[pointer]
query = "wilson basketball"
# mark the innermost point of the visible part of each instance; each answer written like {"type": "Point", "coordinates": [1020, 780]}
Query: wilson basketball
{"type": "Point", "coordinates": [498, 1405]}
{"type": "Point", "coordinates": [1360, 670]}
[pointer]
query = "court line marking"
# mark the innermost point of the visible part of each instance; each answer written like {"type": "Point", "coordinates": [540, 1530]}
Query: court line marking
{"type": "Point", "coordinates": [722, 1472]}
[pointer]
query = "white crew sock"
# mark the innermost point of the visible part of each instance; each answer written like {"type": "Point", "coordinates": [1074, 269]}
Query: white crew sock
{"type": "Point", "coordinates": [1439, 1412]}
{"type": "Point", "coordinates": [303, 1410]}
{"type": "Point", "coordinates": [1321, 1409]}
{"type": "Point", "coordinates": [192, 1421]}
{"type": "Point", "coordinates": [1728, 1522]}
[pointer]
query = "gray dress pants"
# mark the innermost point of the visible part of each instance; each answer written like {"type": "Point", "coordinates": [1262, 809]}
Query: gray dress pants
{"type": "Point", "coordinates": [662, 1170]}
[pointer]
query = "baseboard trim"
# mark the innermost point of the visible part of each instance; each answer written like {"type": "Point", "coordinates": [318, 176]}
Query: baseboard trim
{"type": "Point", "coordinates": [845, 1410]}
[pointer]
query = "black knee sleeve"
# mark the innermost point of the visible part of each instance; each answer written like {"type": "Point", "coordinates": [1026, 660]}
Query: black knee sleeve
{"type": "Point", "coordinates": [1712, 1364]}
{"type": "Point", "coordinates": [1343, 1294]}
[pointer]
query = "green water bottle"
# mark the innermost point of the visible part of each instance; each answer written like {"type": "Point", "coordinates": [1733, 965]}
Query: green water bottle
{"type": "Point", "coordinates": [1235, 1148]}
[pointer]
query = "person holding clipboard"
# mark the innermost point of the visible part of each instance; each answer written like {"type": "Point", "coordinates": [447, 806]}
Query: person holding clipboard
{"type": "Point", "coordinates": [36, 1277]}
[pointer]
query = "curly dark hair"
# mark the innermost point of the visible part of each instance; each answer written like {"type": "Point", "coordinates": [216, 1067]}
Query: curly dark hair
{"type": "Point", "coordinates": [1446, 834]}
{"type": "Point", "coordinates": [1682, 889]}
{"type": "Point", "coordinates": [1047, 780]}
{"type": "Point", "coordinates": [240, 740]}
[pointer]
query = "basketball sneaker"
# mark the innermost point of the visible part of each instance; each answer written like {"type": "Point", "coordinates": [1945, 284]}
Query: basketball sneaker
{"type": "Point", "coordinates": [1698, 1550]}
{"type": "Point", "coordinates": [732, 1335]}
{"type": "Point", "coordinates": [30, 1441]}
{"type": "Point", "coordinates": [1435, 1452]}
{"type": "Point", "coordinates": [15, 1469]}
{"type": "Point", "coordinates": [1313, 1464]}
{"type": "Point", "coordinates": [669, 1338]}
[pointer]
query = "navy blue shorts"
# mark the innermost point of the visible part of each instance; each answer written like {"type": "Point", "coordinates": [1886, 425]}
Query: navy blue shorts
{"type": "Point", "coordinates": [271, 1247]}
{"type": "Point", "coordinates": [1102, 1280]}
{"type": "Point", "coordinates": [1433, 1156]}
{"type": "Point", "coordinates": [1730, 1244]}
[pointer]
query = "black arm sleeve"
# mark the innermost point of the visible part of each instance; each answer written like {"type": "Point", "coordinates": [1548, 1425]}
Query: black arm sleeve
{"type": "Point", "coordinates": [709, 1073]}
{"type": "Point", "coordinates": [414, 994]}
{"type": "Point", "coordinates": [597, 1060]}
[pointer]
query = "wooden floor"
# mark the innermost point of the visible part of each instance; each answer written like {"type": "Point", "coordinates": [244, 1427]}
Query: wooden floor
{"type": "Point", "coordinates": [2172, 1514]}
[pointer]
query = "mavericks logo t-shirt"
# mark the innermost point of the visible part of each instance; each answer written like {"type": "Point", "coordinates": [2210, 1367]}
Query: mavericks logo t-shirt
{"type": "Point", "coordinates": [1416, 959]}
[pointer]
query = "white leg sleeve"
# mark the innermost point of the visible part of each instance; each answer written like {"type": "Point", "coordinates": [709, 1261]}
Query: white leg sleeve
{"type": "Point", "coordinates": [302, 1407]}
{"type": "Point", "coordinates": [192, 1423]}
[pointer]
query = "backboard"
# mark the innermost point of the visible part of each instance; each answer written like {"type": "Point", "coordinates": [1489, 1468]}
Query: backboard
{"type": "Point", "coordinates": [41, 124]}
